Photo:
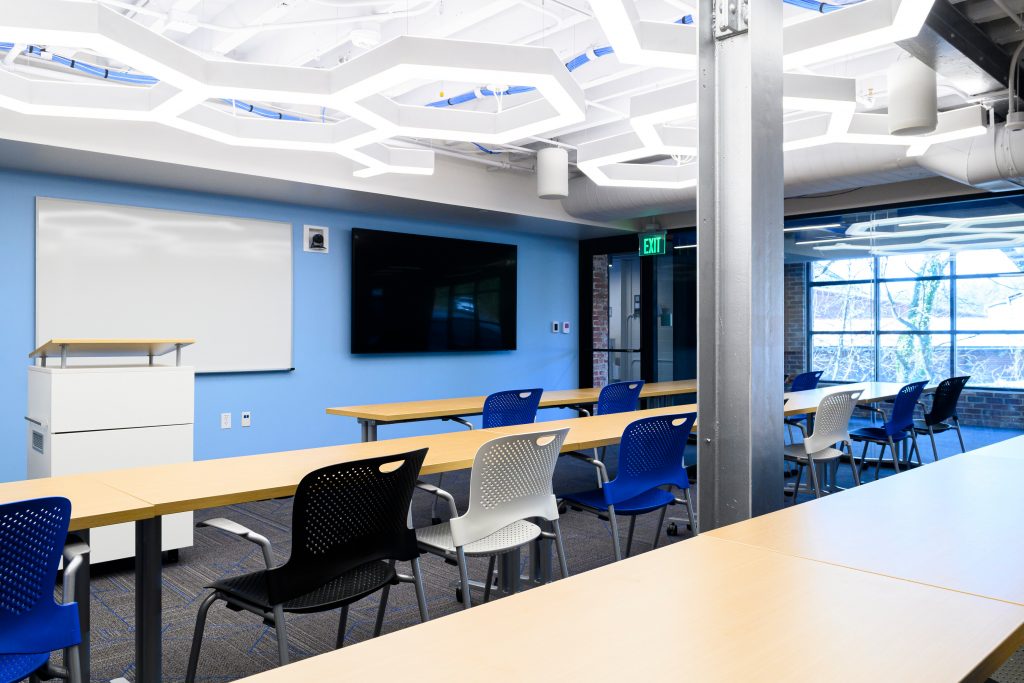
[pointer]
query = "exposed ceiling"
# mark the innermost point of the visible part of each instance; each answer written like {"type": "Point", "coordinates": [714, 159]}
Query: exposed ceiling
{"type": "Point", "coordinates": [394, 86]}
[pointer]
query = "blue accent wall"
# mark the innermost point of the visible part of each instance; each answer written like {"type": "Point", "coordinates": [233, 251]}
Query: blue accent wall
{"type": "Point", "coordinates": [288, 407]}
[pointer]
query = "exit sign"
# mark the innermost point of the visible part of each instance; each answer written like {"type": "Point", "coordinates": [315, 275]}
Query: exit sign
{"type": "Point", "coordinates": [653, 243]}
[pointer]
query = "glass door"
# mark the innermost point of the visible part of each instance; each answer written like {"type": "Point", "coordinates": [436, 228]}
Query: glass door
{"type": "Point", "coordinates": [637, 313]}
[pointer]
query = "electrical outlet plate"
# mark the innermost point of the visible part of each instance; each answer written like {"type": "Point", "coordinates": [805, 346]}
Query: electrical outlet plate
{"type": "Point", "coordinates": [566, 327]}
{"type": "Point", "coordinates": [225, 420]}
{"type": "Point", "coordinates": [246, 419]}
{"type": "Point", "coordinates": [310, 233]}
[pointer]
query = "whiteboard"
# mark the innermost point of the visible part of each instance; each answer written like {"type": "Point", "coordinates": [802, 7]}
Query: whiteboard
{"type": "Point", "coordinates": [111, 271]}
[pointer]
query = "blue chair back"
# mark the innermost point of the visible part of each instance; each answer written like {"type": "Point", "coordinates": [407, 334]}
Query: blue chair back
{"type": "Point", "coordinates": [651, 455]}
{"type": "Point", "coordinates": [619, 397]}
{"type": "Point", "coordinates": [902, 417]}
{"type": "Point", "coordinates": [806, 381]}
{"type": "Point", "coordinates": [32, 535]}
{"type": "Point", "coordinates": [507, 408]}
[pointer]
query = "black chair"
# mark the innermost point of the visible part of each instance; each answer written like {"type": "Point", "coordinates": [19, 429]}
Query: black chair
{"type": "Point", "coordinates": [350, 525]}
{"type": "Point", "coordinates": [942, 417]}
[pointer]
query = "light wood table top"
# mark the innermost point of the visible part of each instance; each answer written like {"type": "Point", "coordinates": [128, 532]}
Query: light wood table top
{"type": "Point", "coordinates": [81, 348]}
{"type": "Point", "coordinates": [93, 503]}
{"type": "Point", "coordinates": [954, 524]}
{"type": "Point", "coordinates": [704, 610]}
{"type": "Point", "coordinates": [806, 402]}
{"type": "Point", "coordinates": [474, 405]}
{"type": "Point", "coordinates": [181, 487]}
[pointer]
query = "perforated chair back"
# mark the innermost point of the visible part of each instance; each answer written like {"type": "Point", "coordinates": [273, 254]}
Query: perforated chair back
{"type": "Point", "coordinates": [832, 420]}
{"type": "Point", "coordinates": [945, 399]}
{"type": "Point", "coordinates": [619, 397]}
{"type": "Point", "coordinates": [806, 381]}
{"type": "Point", "coordinates": [510, 481]}
{"type": "Point", "coordinates": [32, 535]}
{"type": "Point", "coordinates": [902, 417]}
{"type": "Point", "coordinates": [507, 408]}
{"type": "Point", "coordinates": [346, 515]}
{"type": "Point", "coordinates": [651, 455]}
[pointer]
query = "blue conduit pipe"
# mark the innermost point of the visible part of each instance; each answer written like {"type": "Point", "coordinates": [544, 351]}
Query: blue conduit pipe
{"type": "Point", "coordinates": [85, 67]}
{"type": "Point", "coordinates": [263, 111]}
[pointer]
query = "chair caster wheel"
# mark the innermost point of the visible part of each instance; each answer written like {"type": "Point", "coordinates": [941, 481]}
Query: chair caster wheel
{"type": "Point", "coordinates": [672, 529]}
{"type": "Point", "coordinates": [435, 520]}
{"type": "Point", "coordinates": [563, 508]}
{"type": "Point", "coordinates": [458, 595]}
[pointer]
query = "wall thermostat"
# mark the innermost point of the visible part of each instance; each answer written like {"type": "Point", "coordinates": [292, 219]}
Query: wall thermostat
{"type": "Point", "coordinates": [314, 238]}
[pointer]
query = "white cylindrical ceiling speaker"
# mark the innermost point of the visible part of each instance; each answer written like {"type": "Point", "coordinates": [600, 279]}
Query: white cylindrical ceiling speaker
{"type": "Point", "coordinates": [913, 102]}
{"type": "Point", "coordinates": [552, 173]}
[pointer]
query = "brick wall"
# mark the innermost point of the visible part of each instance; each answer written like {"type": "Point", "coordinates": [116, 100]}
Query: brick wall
{"type": "Point", "coordinates": [978, 407]}
{"type": "Point", "coordinates": [600, 319]}
{"type": "Point", "coordinates": [795, 343]}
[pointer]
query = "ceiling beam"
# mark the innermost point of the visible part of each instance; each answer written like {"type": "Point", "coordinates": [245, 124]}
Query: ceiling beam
{"type": "Point", "coordinates": [959, 51]}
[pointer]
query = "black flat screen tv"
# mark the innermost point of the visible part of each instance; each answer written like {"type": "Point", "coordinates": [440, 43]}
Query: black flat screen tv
{"type": "Point", "coordinates": [413, 293]}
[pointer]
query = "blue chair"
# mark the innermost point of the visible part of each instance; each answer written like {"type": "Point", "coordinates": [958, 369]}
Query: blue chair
{"type": "Point", "coordinates": [896, 430]}
{"type": "Point", "coordinates": [650, 457]}
{"type": "Point", "coordinates": [32, 624]}
{"type": "Point", "coordinates": [805, 381]}
{"type": "Point", "coordinates": [508, 408]}
{"type": "Point", "coordinates": [501, 409]}
{"type": "Point", "coordinates": [619, 397]}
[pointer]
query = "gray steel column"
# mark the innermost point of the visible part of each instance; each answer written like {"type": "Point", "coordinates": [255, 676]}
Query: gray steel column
{"type": "Point", "coordinates": [739, 268]}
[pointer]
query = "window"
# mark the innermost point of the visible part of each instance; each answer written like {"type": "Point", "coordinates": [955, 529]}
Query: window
{"type": "Point", "coordinates": [930, 315]}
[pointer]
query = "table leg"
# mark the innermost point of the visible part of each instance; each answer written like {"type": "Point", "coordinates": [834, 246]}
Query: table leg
{"type": "Point", "coordinates": [371, 430]}
{"type": "Point", "coordinates": [508, 571]}
{"type": "Point", "coordinates": [147, 600]}
{"type": "Point", "coordinates": [540, 557]}
{"type": "Point", "coordinates": [83, 597]}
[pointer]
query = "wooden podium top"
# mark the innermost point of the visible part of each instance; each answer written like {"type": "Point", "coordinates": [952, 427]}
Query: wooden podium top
{"type": "Point", "coordinates": [99, 348]}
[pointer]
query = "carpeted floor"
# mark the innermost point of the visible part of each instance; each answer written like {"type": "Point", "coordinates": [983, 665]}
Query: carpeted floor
{"type": "Point", "coordinates": [238, 644]}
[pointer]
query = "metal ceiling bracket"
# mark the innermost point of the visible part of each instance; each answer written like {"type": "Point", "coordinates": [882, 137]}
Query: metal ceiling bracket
{"type": "Point", "coordinates": [730, 18]}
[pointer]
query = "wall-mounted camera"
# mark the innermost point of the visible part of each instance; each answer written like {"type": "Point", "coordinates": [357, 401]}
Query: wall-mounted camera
{"type": "Point", "coordinates": [314, 238]}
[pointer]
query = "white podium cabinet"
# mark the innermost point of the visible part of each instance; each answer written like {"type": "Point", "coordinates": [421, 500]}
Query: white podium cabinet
{"type": "Point", "coordinates": [103, 417]}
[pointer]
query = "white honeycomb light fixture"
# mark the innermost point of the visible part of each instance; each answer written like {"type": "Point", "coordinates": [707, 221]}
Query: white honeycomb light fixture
{"type": "Point", "coordinates": [187, 80]}
{"type": "Point", "coordinates": [656, 150]}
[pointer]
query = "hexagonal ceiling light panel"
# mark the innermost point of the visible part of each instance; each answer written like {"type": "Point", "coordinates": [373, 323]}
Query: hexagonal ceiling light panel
{"type": "Point", "coordinates": [187, 80]}
{"type": "Point", "coordinates": [857, 28]}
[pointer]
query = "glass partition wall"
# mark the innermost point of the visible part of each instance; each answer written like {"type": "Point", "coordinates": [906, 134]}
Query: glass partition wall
{"type": "Point", "coordinates": [923, 292]}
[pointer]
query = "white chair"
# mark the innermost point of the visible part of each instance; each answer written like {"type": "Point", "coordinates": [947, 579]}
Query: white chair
{"type": "Point", "coordinates": [831, 427]}
{"type": "Point", "coordinates": [510, 484]}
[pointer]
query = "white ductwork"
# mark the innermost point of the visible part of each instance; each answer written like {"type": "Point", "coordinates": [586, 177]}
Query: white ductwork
{"type": "Point", "coordinates": [808, 171]}
{"type": "Point", "coordinates": [993, 162]}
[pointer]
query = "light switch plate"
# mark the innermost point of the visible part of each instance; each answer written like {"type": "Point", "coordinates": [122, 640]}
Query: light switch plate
{"type": "Point", "coordinates": [565, 327]}
{"type": "Point", "coordinates": [555, 326]}
{"type": "Point", "coordinates": [225, 420]}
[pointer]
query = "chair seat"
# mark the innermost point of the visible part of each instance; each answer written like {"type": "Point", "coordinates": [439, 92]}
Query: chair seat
{"type": "Point", "coordinates": [921, 427]}
{"type": "Point", "coordinates": [349, 587]}
{"type": "Point", "coordinates": [17, 667]}
{"type": "Point", "coordinates": [647, 501]}
{"type": "Point", "coordinates": [874, 434]}
{"type": "Point", "coordinates": [516, 534]}
{"type": "Point", "coordinates": [798, 453]}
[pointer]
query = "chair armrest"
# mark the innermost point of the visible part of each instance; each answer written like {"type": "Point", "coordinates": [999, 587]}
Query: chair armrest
{"type": "Point", "coordinates": [462, 421]}
{"type": "Point", "coordinates": [593, 461]}
{"type": "Point", "coordinates": [74, 557]}
{"type": "Point", "coordinates": [872, 409]}
{"type": "Point", "coordinates": [440, 493]}
{"type": "Point", "coordinates": [242, 532]}
{"type": "Point", "coordinates": [799, 424]}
